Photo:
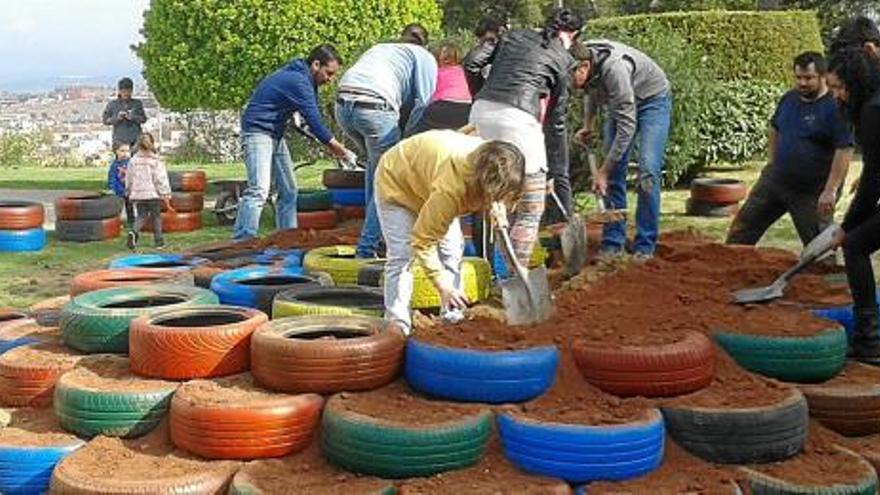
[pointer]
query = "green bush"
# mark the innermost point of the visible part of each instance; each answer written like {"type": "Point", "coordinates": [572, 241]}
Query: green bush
{"type": "Point", "coordinates": [734, 46]}
{"type": "Point", "coordinates": [209, 54]}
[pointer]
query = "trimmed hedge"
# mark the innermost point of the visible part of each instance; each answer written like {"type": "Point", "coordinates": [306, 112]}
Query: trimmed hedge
{"type": "Point", "coordinates": [210, 54]}
{"type": "Point", "coordinates": [735, 46]}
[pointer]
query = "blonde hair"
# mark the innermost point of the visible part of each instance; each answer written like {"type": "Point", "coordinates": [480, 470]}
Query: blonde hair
{"type": "Point", "coordinates": [500, 170]}
{"type": "Point", "coordinates": [448, 53]}
{"type": "Point", "coordinates": [146, 142]}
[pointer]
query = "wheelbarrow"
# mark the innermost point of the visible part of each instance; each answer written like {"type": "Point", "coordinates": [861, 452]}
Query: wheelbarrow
{"type": "Point", "coordinates": [228, 197]}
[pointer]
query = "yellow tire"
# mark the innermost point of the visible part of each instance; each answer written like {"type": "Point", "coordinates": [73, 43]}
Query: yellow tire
{"type": "Point", "coordinates": [476, 274]}
{"type": "Point", "coordinates": [330, 301]}
{"type": "Point", "coordinates": [337, 261]}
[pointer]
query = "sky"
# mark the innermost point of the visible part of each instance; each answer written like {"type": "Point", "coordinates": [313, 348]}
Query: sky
{"type": "Point", "coordinates": [45, 43]}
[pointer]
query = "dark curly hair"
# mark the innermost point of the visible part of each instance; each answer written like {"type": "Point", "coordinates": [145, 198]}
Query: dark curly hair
{"type": "Point", "coordinates": [561, 20]}
{"type": "Point", "coordinates": [860, 74]}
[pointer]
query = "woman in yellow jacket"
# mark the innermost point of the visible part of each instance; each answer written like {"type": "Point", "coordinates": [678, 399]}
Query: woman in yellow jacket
{"type": "Point", "coordinates": [423, 184]}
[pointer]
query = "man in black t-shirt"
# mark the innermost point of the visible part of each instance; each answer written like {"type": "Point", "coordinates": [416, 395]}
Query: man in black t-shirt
{"type": "Point", "coordinates": [809, 149]}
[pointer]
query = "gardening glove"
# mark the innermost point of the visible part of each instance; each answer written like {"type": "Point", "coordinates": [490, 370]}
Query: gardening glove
{"type": "Point", "coordinates": [349, 161]}
{"type": "Point", "coordinates": [498, 213]}
{"type": "Point", "coordinates": [450, 297]}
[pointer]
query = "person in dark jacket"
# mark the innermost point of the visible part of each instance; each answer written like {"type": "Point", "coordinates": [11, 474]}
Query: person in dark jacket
{"type": "Point", "coordinates": [125, 114]}
{"type": "Point", "coordinates": [854, 78]}
{"type": "Point", "coordinates": [524, 97]}
{"type": "Point", "coordinates": [637, 94]}
{"type": "Point", "coordinates": [290, 89]}
{"type": "Point", "coordinates": [860, 32]}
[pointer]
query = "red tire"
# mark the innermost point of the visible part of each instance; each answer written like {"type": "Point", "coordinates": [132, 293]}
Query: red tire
{"type": "Point", "coordinates": [178, 222]}
{"type": "Point", "coordinates": [335, 178]}
{"type": "Point", "coordinates": [21, 215]}
{"type": "Point", "coordinates": [316, 220]}
{"type": "Point", "coordinates": [104, 279]}
{"type": "Point", "coordinates": [701, 209]}
{"type": "Point", "coordinates": [245, 424]}
{"type": "Point", "coordinates": [188, 181]}
{"type": "Point", "coordinates": [718, 191]}
{"type": "Point", "coordinates": [650, 371]}
{"type": "Point", "coordinates": [851, 410]}
{"type": "Point", "coordinates": [197, 342]}
{"type": "Point", "coordinates": [186, 202]}
{"type": "Point", "coordinates": [87, 206]}
{"type": "Point", "coordinates": [289, 354]}
{"type": "Point", "coordinates": [351, 212]}
{"type": "Point", "coordinates": [28, 373]}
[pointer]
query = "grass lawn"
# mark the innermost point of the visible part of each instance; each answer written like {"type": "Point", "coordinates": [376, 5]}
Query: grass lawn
{"type": "Point", "coordinates": [28, 278]}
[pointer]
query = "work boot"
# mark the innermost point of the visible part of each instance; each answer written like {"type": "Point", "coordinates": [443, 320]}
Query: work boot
{"type": "Point", "coordinates": [866, 337]}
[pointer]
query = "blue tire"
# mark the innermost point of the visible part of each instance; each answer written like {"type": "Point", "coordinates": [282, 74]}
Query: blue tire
{"type": "Point", "coordinates": [28, 470]}
{"type": "Point", "coordinates": [6, 345]}
{"type": "Point", "coordinates": [287, 257]}
{"type": "Point", "coordinates": [581, 454]}
{"type": "Point", "coordinates": [479, 376]}
{"type": "Point", "coordinates": [348, 197]}
{"type": "Point", "coordinates": [166, 261]}
{"type": "Point", "coordinates": [240, 287]}
{"type": "Point", "coordinates": [16, 241]}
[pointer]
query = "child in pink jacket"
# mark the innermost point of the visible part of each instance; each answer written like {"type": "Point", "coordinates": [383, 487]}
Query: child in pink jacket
{"type": "Point", "coordinates": [146, 185]}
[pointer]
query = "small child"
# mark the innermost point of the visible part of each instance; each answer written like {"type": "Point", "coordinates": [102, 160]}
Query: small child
{"type": "Point", "coordinates": [116, 177]}
{"type": "Point", "coordinates": [423, 184]}
{"type": "Point", "coordinates": [146, 185]}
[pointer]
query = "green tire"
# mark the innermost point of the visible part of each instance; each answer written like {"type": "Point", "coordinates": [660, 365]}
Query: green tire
{"type": "Point", "coordinates": [761, 484]}
{"type": "Point", "coordinates": [314, 200]}
{"type": "Point", "coordinates": [337, 261]}
{"type": "Point", "coordinates": [89, 325]}
{"type": "Point", "coordinates": [366, 445]}
{"type": "Point", "coordinates": [794, 359]}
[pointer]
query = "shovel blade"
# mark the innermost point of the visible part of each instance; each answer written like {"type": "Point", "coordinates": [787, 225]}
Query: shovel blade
{"type": "Point", "coordinates": [760, 294]}
{"type": "Point", "coordinates": [527, 301]}
{"type": "Point", "coordinates": [574, 245]}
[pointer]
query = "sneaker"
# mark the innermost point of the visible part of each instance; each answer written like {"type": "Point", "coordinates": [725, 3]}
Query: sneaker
{"type": "Point", "coordinates": [610, 254]}
{"type": "Point", "coordinates": [132, 240]}
{"type": "Point", "coordinates": [159, 245]}
{"type": "Point", "coordinates": [642, 257]}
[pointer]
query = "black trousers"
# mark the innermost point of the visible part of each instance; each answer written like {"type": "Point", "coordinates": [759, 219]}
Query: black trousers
{"type": "Point", "coordinates": [444, 115]}
{"type": "Point", "coordinates": [149, 209]}
{"type": "Point", "coordinates": [129, 213]}
{"type": "Point", "coordinates": [768, 200]}
{"type": "Point", "coordinates": [860, 243]}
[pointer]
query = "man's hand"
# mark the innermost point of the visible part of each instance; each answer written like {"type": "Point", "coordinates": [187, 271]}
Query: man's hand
{"type": "Point", "coordinates": [585, 135]}
{"type": "Point", "coordinates": [600, 181]}
{"type": "Point", "coordinates": [337, 149]}
{"type": "Point", "coordinates": [826, 202]}
{"type": "Point", "coordinates": [122, 115]}
{"type": "Point", "coordinates": [450, 297]}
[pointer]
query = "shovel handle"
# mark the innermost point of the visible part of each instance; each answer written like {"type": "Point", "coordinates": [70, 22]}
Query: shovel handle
{"type": "Point", "coordinates": [559, 204]}
{"type": "Point", "coordinates": [591, 160]}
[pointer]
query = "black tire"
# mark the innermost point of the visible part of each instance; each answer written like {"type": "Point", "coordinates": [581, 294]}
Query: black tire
{"type": "Point", "coordinates": [186, 202]}
{"type": "Point", "coordinates": [223, 202]}
{"type": "Point", "coordinates": [343, 179]}
{"type": "Point", "coordinates": [700, 209]}
{"type": "Point", "coordinates": [88, 206]}
{"type": "Point", "coordinates": [313, 200]}
{"type": "Point", "coordinates": [370, 275]}
{"type": "Point", "coordinates": [88, 230]}
{"type": "Point", "coordinates": [741, 436]}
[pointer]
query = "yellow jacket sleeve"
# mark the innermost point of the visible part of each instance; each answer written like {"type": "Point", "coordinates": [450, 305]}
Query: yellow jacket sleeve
{"type": "Point", "coordinates": [432, 224]}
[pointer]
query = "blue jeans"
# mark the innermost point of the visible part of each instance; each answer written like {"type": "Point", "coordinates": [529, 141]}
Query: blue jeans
{"type": "Point", "coordinates": [374, 132]}
{"type": "Point", "coordinates": [652, 133]}
{"type": "Point", "coordinates": [267, 161]}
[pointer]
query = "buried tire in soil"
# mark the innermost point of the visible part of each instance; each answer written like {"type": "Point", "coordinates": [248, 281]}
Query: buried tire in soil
{"type": "Point", "coordinates": [480, 376]}
{"type": "Point", "coordinates": [28, 470]}
{"type": "Point", "coordinates": [295, 354]}
{"type": "Point", "coordinates": [741, 436]}
{"type": "Point", "coordinates": [762, 484]}
{"type": "Point", "coordinates": [650, 371]}
{"type": "Point", "coordinates": [198, 342]}
{"type": "Point", "coordinates": [851, 410]}
{"type": "Point", "coordinates": [796, 359]}
{"type": "Point", "coordinates": [368, 445]}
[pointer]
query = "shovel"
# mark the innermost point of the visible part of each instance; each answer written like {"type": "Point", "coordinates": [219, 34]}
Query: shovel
{"type": "Point", "coordinates": [574, 239]}
{"type": "Point", "coordinates": [526, 295]}
{"type": "Point", "coordinates": [817, 249]}
{"type": "Point", "coordinates": [602, 215]}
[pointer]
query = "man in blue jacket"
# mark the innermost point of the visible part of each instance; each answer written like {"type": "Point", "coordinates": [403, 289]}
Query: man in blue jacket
{"type": "Point", "coordinates": [290, 89]}
{"type": "Point", "coordinates": [385, 82]}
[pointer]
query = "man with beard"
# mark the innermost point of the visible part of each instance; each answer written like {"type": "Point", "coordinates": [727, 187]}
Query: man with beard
{"type": "Point", "coordinates": [809, 150]}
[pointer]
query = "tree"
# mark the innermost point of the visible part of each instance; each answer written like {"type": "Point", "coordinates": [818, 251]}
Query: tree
{"type": "Point", "coordinates": [832, 13]}
{"type": "Point", "coordinates": [209, 54]}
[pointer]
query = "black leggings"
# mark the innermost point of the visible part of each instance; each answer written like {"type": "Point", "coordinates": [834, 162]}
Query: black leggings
{"type": "Point", "coordinates": [860, 243]}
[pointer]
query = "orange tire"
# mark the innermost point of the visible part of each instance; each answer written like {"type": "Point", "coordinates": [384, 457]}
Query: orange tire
{"type": "Point", "coordinates": [241, 425]}
{"type": "Point", "coordinates": [197, 342]}
{"type": "Point", "coordinates": [351, 212]}
{"type": "Point", "coordinates": [28, 373]}
{"type": "Point", "coordinates": [104, 279]}
{"type": "Point", "coordinates": [186, 202]}
{"type": "Point", "coordinates": [188, 181]}
{"type": "Point", "coordinates": [316, 220]}
{"type": "Point", "coordinates": [178, 222]}
{"type": "Point", "coordinates": [21, 215]}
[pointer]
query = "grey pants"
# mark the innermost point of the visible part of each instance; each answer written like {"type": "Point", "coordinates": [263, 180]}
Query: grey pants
{"type": "Point", "coordinates": [397, 223]}
{"type": "Point", "coordinates": [150, 209]}
{"type": "Point", "coordinates": [768, 200]}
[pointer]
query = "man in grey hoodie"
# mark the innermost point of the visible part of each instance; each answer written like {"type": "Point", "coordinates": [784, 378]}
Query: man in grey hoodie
{"type": "Point", "coordinates": [638, 97]}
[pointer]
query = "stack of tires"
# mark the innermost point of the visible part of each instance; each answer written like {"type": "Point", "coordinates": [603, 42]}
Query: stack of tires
{"type": "Point", "coordinates": [347, 191]}
{"type": "Point", "coordinates": [21, 226]}
{"type": "Point", "coordinates": [314, 210]}
{"type": "Point", "coordinates": [715, 197]}
{"type": "Point", "coordinates": [90, 217]}
{"type": "Point", "coordinates": [188, 201]}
